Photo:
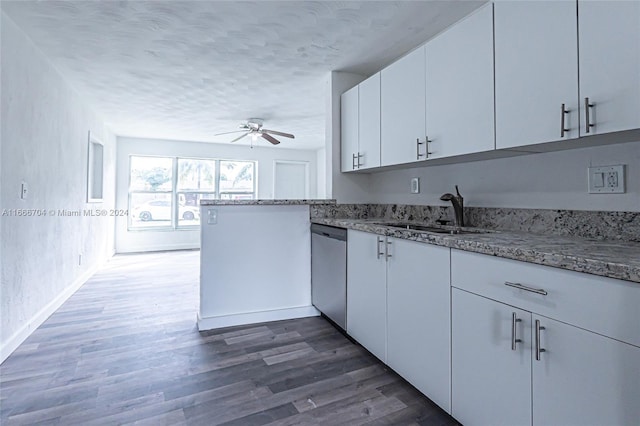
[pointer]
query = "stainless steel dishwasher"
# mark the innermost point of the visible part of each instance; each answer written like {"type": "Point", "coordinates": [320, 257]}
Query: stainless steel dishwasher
{"type": "Point", "coordinates": [329, 272]}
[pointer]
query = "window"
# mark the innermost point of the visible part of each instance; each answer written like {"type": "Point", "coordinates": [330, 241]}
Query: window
{"type": "Point", "coordinates": [196, 181]}
{"type": "Point", "coordinates": [150, 192]}
{"type": "Point", "coordinates": [236, 180]}
{"type": "Point", "coordinates": [165, 192]}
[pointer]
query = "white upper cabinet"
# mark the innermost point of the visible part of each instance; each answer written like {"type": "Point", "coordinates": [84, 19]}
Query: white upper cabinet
{"type": "Point", "coordinates": [609, 37]}
{"type": "Point", "coordinates": [536, 72]}
{"type": "Point", "coordinates": [402, 100]}
{"type": "Point", "coordinates": [369, 122]}
{"type": "Point", "coordinates": [459, 87]}
{"type": "Point", "coordinates": [349, 129]}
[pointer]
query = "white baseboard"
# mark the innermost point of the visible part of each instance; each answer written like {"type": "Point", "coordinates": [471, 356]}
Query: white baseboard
{"type": "Point", "coordinates": [152, 248]}
{"type": "Point", "coordinates": [209, 323]}
{"type": "Point", "coordinates": [12, 343]}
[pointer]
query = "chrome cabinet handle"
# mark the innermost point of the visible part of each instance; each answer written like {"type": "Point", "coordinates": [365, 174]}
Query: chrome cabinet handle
{"type": "Point", "coordinates": [524, 287]}
{"type": "Point", "coordinates": [353, 161]}
{"type": "Point", "coordinates": [359, 156]}
{"type": "Point", "coordinates": [514, 338]}
{"type": "Point", "coordinates": [587, 122]}
{"type": "Point", "coordinates": [426, 138]}
{"type": "Point", "coordinates": [387, 255]}
{"type": "Point", "coordinates": [378, 250]}
{"type": "Point", "coordinates": [563, 112]}
{"type": "Point", "coordinates": [539, 350]}
{"type": "Point", "coordinates": [418, 143]}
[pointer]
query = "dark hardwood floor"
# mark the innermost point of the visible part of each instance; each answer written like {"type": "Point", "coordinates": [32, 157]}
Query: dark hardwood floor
{"type": "Point", "coordinates": [125, 349]}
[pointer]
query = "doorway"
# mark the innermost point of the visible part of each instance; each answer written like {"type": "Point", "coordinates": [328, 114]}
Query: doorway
{"type": "Point", "coordinates": [290, 180]}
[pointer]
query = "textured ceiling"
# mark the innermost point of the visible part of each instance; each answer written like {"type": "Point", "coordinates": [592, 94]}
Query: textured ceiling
{"type": "Point", "coordinates": [186, 70]}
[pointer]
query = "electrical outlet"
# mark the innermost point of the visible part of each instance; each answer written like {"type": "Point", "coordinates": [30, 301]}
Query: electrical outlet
{"type": "Point", "coordinates": [212, 216]}
{"type": "Point", "coordinates": [415, 185]}
{"type": "Point", "coordinates": [606, 180]}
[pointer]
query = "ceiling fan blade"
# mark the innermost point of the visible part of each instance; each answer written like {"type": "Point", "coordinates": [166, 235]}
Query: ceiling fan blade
{"type": "Point", "coordinates": [270, 138]}
{"type": "Point", "coordinates": [226, 133]}
{"type": "Point", "coordinates": [240, 137]}
{"type": "Point", "coordinates": [286, 135]}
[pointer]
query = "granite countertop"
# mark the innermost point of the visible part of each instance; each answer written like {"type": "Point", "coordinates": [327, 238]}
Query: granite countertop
{"type": "Point", "coordinates": [612, 259]}
{"type": "Point", "coordinates": [264, 202]}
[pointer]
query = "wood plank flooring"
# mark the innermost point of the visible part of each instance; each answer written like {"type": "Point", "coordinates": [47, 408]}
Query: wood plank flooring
{"type": "Point", "coordinates": [125, 349]}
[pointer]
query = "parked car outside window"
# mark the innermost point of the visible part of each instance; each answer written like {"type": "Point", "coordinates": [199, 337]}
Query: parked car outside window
{"type": "Point", "coordinates": [161, 210]}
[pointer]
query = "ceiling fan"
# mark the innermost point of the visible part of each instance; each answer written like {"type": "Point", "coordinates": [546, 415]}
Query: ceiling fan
{"type": "Point", "coordinates": [253, 128]}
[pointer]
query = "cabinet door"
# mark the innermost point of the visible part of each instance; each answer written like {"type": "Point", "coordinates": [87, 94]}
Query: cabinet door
{"type": "Point", "coordinates": [536, 71]}
{"type": "Point", "coordinates": [490, 382]}
{"type": "Point", "coordinates": [459, 82]}
{"type": "Point", "coordinates": [418, 309]}
{"type": "Point", "coordinates": [584, 378]}
{"type": "Point", "coordinates": [367, 292]}
{"type": "Point", "coordinates": [609, 41]}
{"type": "Point", "coordinates": [369, 122]}
{"type": "Point", "coordinates": [402, 115]}
{"type": "Point", "coordinates": [349, 128]}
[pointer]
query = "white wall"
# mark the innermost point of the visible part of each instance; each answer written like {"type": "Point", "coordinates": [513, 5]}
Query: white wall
{"type": "Point", "coordinates": [45, 126]}
{"type": "Point", "coordinates": [344, 187]}
{"type": "Point", "coordinates": [554, 180]}
{"type": "Point", "coordinates": [321, 162]}
{"type": "Point", "coordinates": [149, 240]}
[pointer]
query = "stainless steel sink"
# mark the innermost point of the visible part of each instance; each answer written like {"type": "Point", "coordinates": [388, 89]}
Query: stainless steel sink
{"type": "Point", "coordinates": [432, 229]}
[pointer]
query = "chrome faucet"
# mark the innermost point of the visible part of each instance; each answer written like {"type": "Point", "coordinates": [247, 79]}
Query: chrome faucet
{"type": "Point", "coordinates": [458, 205]}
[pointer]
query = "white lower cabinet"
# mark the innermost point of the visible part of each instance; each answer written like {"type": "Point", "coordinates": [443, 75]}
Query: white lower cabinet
{"type": "Point", "coordinates": [504, 375]}
{"type": "Point", "coordinates": [583, 378]}
{"type": "Point", "coordinates": [490, 382]}
{"type": "Point", "coordinates": [418, 300]}
{"type": "Point", "coordinates": [367, 291]}
{"type": "Point", "coordinates": [534, 345]}
{"type": "Point", "coordinates": [398, 307]}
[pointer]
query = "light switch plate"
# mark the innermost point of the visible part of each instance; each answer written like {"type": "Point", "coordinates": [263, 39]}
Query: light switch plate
{"type": "Point", "coordinates": [212, 216]}
{"type": "Point", "coordinates": [606, 180]}
{"type": "Point", "coordinates": [24, 190]}
{"type": "Point", "coordinates": [415, 185]}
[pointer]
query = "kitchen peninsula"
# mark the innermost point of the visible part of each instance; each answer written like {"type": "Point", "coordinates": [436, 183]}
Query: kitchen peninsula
{"type": "Point", "coordinates": [255, 261]}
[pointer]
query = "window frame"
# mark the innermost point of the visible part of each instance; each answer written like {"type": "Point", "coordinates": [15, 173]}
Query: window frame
{"type": "Point", "coordinates": [175, 192]}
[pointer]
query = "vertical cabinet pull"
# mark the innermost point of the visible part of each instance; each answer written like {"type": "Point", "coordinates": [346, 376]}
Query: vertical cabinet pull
{"type": "Point", "coordinates": [514, 339]}
{"type": "Point", "coordinates": [387, 254]}
{"type": "Point", "coordinates": [587, 119]}
{"type": "Point", "coordinates": [539, 350]}
{"type": "Point", "coordinates": [418, 143]}
{"type": "Point", "coordinates": [564, 111]}
{"type": "Point", "coordinates": [355, 161]}
{"type": "Point", "coordinates": [378, 249]}
{"type": "Point", "coordinates": [426, 142]}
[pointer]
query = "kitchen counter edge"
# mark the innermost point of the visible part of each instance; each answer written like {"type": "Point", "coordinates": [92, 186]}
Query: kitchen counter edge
{"type": "Point", "coordinates": [610, 259]}
{"type": "Point", "coordinates": [264, 202]}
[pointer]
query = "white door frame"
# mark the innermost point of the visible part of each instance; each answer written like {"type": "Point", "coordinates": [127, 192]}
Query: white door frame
{"type": "Point", "coordinates": [306, 174]}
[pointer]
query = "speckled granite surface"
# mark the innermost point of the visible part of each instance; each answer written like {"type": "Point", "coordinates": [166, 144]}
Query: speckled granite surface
{"type": "Point", "coordinates": [265, 202]}
{"type": "Point", "coordinates": [616, 226]}
{"type": "Point", "coordinates": [608, 226]}
{"type": "Point", "coordinates": [613, 259]}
